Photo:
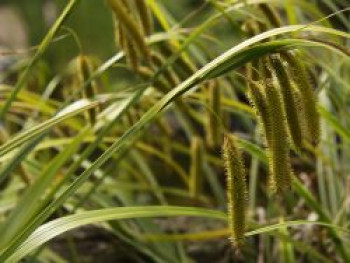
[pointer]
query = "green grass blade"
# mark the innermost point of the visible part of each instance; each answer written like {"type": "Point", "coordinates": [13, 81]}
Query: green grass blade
{"type": "Point", "coordinates": [68, 112]}
{"type": "Point", "coordinates": [61, 225]}
{"type": "Point", "coordinates": [32, 200]}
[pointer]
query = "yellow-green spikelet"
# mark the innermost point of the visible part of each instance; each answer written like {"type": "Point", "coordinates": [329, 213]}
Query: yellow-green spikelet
{"type": "Point", "coordinates": [125, 42]}
{"type": "Point", "coordinates": [195, 181]}
{"type": "Point", "coordinates": [257, 98]}
{"type": "Point", "coordinates": [129, 22]}
{"type": "Point", "coordinates": [279, 161]}
{"type": "Point", "coordinates": [308, 98]}
{"type": "Point", "coordinates": [236, 190]}
{"type": "Point", "coordinates": [290, 100]}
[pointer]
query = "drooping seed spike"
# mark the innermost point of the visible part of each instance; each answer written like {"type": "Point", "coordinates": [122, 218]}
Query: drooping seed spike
{"type": "Point", "coordinates": [126, 43]}
{"type": "Point", "coordinates": [301, 78]}
{"type": "Point", "coordinates": [213, 135]}
{"type": "Point", "coordinates": [290, 102]}
{"type": "Point", "coordinates": [196, 171]}
{"type": "Point", "coordinates": [279, 161]}
{"type": "Point", "coordinates": [236, 190]}
{"type": "Point", "coordinates": [132, 28]}
{"type": "Point", "coordinates": [257, 98]}
{"type": "Point", "coordinates": [145, 16]}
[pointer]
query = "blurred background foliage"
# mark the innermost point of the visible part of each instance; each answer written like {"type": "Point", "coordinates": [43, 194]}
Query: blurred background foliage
{"type": "Point", "coordinates": [92, 22]}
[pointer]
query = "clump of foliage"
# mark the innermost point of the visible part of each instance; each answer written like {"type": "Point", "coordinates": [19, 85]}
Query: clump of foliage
{"type": "Point", "coordinates": [183, 136]}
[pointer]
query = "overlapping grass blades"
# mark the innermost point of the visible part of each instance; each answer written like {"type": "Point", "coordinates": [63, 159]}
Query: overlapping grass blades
{"type": "Point", "coordinates": [230, 60]}
{"type": "Point", "coordinates": [30, 215]}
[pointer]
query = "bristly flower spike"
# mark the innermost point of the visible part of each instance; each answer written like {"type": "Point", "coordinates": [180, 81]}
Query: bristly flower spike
{"type": "Point", "coordinates": [301, 78]}
{"type": "Point", "coordinates": [257, 98]}
{"type": "Point", "coordinates": [236, 190]}
{"type": "Point", "coordinates": [290, 101]}
{"type": "Point", "coordinates": [279, 160]}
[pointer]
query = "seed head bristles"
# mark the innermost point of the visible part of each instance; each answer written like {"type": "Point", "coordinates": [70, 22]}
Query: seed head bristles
{"type": "Point", "coordinates": [279, 161]}
{"type": "Point", "coordinates": [131, 27]}
{"type": "Point", "coordinates": [236, 190]}
{"type": "Point", "coordinates": [169, 74]}
{"type": "Point", "coordinates": [257, 98]}
{"type": "Point", "coordinates": [291, 106]}
{"type": "Point", "coordinates": [84, 69]}
{"type": "Point", "coordinates": [196, 171]}
{"type": "Point", "coordinates": [145, 16]}
{"type": "Point", "coordinates": [301, 78]}
{"type": "Point", "coordinates": [213, 135]}
{"type": "Point", "coordinates": [271, 15]}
